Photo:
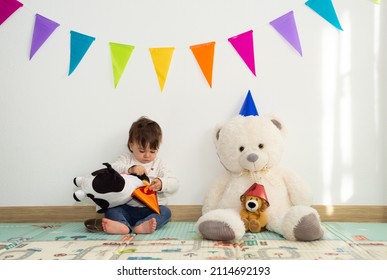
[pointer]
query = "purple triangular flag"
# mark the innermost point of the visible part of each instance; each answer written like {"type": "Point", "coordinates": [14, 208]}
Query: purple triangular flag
{"type": "Point", "coordinates": [42, 30]}
{"type": "Point", "coordinates": [286, 26]}
{"type": "Point", "coordinates": [7, 8]}
{"type": "Point", "coordinates": [244, 45]}
{"type": "Point", "coordinates": [248, 107]}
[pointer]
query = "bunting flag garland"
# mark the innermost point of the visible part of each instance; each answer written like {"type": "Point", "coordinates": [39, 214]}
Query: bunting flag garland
{"type": "Point", "coordinates": [326, 10]}
{"type": "Point", "coordinates": [244, 45]}
{"type": "Point", "coordinates": [161, 58]}
{"type": "Point", "coordinates": [43, 28]}
{"type": "Point", "coordinates": [248, 107]}
{"type": "Point", "coordinates": [7, 8]}
{"type": "Point", "coordinates": [120, 54]}
{"type": "Point", "coordinates": [286, 26]}
{"type": "Point", "coordinates": [204, 54]}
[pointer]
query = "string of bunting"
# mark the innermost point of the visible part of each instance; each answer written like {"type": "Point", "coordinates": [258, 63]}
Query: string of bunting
{"type": "Point", "coordinates": [243, 43]}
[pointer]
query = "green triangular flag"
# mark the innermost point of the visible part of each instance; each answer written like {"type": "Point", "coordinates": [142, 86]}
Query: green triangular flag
{"type": "Point", "coordinates": [120, 56]}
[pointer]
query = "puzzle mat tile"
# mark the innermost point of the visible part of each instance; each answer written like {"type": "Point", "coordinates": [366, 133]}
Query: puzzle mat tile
{"type": "Point", "coordinates": [188, 250]}
{"type": "Point", "coordinates": [65, 250]}
{"type": "Point", "coordinates": [14, 232]}
{"type": "Point", "coordinates": [359, 231]}
{"type": "Point", "coordinates": [316, 250]}
{"type": "Point", "coordinates": [376, 249]}
{"type": "Point", "coordinates": [186, 231]}
{"type": "Point", "coordinates": [244, 250]}
{"type": "Point", "coordinates": [179, 240]}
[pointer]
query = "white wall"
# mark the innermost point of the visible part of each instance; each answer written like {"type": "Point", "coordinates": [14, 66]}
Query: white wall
{"type": "Point", "coordinates": [55, 127]}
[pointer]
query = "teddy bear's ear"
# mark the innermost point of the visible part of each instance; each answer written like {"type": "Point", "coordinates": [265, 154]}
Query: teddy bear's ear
{"type": "Point", "coordinates": [217, 130]}
{"type": "Point", "coordinates": [264, 205]}
{"type": "Point", "coordinates": [278, 123]}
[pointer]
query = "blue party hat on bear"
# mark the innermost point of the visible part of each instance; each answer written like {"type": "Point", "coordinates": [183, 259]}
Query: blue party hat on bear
{"type": "Point", "coordinates": [248, 107]}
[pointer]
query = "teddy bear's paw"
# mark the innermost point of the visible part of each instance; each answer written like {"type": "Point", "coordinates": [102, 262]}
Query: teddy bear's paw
{"type": "Point", "coordinates": [308, 229]}
{"type": "Point", "coordinates": [255, 226]}
{"type": "Point", "coordinates": [216, 230]}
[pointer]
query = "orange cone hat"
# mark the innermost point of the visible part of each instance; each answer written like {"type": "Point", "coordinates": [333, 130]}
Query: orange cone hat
{"type": "Point", "coordinates": [148, 197]}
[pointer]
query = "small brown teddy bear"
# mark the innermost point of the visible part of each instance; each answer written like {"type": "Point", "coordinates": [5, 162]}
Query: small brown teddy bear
{"type": "Point", "coordinates": [254, 204]}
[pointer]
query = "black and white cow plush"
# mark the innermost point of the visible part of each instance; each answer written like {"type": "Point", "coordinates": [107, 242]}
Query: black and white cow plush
{"type": "Point", "coordinates": [107, 188]}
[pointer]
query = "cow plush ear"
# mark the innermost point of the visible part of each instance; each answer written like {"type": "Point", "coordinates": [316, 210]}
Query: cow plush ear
{"type": "Point", "coordinates": [108, 168]}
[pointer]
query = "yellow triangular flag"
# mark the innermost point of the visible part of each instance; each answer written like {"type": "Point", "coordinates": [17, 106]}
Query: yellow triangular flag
{"type": "Point", "coordinates": [120, 54]}
{"type": "Point", "coordinates": [161, 58]}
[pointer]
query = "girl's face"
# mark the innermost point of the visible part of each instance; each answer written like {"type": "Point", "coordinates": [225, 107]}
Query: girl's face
{"type": "Point", "coordinates": [143, 155]}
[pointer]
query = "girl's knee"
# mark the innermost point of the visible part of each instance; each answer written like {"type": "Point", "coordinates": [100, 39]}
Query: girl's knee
{"type": "Point", "coordinates": [165, 211]}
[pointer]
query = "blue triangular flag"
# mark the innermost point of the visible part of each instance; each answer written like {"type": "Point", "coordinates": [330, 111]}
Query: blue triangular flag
{"type": "Point", "coordinates": [248, 107]}
{"type": "Point", "coordinates": [326, 10]}
{"type": "Point", "coordinates": [80, 43]}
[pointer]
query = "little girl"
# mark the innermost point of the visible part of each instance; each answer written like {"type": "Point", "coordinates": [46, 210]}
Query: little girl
{"type": "Point", "coordinates": [145, 137]}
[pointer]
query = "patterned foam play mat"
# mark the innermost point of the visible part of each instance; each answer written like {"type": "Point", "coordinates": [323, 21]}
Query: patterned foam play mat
{"type": "Point", "coordinates": [179, 241]}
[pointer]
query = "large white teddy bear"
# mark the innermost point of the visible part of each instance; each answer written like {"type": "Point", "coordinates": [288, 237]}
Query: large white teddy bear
{"type": "Point", "coordinates": [250, 149]}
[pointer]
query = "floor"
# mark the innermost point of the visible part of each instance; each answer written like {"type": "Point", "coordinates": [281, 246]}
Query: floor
{"type": "Point", "coordinates": [179, 241]}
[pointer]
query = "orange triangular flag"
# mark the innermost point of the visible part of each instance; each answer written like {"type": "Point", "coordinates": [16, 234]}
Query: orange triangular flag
{"type": "Point", "coordinates": [204, 54]}
{"type": "Point", "coordinates": [148, 197]}
{"type": "Point", "coordinates": [161, 58]}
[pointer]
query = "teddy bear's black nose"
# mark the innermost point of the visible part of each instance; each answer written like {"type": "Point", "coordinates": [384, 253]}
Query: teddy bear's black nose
{"type": "Point", "coordinates": [252, 157]}
{"type": "Point", "coordinates": [251, 204]}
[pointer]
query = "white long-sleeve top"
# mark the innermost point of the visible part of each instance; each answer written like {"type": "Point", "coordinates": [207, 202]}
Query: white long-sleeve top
{"type": "Point", "coordinates": [154, 169]}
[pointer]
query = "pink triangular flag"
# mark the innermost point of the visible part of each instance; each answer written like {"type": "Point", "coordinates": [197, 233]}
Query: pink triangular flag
{"type": "Point", "coordinates": [42, 30]}
{"type": "Point", "coordinates": [244, 45]}
{"type": "Point", "coordinates": [7, 8]}
{"type": "Point", "coordinates": [286, 26]}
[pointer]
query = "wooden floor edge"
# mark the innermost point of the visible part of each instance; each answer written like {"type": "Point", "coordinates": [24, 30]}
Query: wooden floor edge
{"type": "Point", "coordinates": [180, 213]}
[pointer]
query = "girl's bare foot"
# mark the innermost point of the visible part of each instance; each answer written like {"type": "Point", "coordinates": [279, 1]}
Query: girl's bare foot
{"type": "Point", "coordinates": [114, 227]}
{"type": "Point", "coordinates": [146, 227]}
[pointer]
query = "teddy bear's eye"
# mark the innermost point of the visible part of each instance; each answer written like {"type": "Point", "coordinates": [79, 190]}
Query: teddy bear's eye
{"type": "Point", "coordinates": [241, 148]}
{"type": "Point", "coordinates": [261, 146]}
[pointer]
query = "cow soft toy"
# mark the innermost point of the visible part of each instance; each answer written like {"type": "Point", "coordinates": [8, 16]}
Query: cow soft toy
{"type": "Point", "coordinates": [250, 150]}
{"type": "Point", "coordinates": [107, 188]}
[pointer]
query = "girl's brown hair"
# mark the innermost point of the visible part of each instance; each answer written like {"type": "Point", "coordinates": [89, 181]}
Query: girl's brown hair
{"type": "Point", "coordinates": [145, 131]}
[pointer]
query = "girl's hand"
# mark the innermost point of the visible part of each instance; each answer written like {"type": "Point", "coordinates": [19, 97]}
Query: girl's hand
{"type": "Point", "coordinates": [156, 185]}
{"type": "Point", "coordinates": [137, 169]}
